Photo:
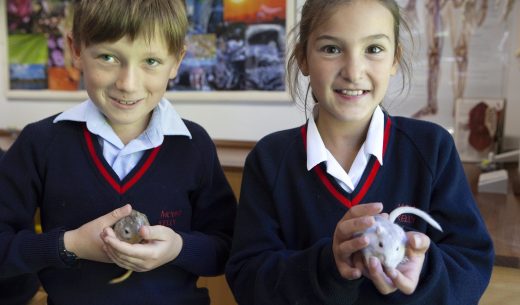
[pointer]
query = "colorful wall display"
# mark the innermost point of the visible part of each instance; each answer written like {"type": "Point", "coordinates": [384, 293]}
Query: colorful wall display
{"type": "Point", "coordinates": [232, 45]}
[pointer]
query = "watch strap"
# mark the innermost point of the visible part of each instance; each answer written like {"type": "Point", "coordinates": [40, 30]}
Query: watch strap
{"type": "Point", "coordinates": [69, 258]}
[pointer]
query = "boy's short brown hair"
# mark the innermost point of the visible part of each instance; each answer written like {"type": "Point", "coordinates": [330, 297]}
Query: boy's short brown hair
{"type": "Point", "coordinates": [97, 21]}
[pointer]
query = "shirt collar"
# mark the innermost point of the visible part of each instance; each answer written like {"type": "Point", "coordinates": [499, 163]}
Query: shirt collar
{"type": "Point", "coordinates": [165, 121]}
{"type": "Point", "coordinates": [317, 152]}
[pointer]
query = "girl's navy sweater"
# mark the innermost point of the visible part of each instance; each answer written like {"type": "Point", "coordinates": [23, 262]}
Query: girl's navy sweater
{"type": "Point", "coordinates": [282, 247]}
{"type": "Point", "coordinates": [60, 169]}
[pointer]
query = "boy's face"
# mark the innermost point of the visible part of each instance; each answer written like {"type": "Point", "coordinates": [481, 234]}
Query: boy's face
{"type": "Point", "coordinates": [127, 79]}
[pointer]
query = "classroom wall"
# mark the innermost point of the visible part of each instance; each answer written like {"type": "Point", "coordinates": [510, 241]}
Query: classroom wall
{"type": "Point", "coordinates": [245, 120]}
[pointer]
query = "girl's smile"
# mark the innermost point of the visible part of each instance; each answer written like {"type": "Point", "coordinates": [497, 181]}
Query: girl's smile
{"type": "Point", "coordinates": [349, 71]}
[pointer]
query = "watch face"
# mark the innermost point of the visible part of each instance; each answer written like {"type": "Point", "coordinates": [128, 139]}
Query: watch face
{"type": "Point", "coordinates": [68, 257]}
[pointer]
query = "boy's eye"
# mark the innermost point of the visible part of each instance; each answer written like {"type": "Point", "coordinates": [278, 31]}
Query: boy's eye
{"type": "Point", "coordinates": [331, 49]}
{"type": "Point", "coordinates": [107, 58]}
{"type": "Point", "coordinates": [152, 62]}
{"type": "Point", "coordinates": [374, 49]}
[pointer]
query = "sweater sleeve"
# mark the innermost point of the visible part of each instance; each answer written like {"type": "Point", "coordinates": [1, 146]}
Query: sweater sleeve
{"type": "Point", "coordinates": [206, 247]}
{"type": "Point", "coordinates": [459, 262]}
{"type": "Point", "coordinates": [18, 290]}
{"type": "Point", "coordinates": [22, 251]}
{"type": "Point", "coordinates": [262, 270]}
{"type": "Point", "coordinates": [460, 259]}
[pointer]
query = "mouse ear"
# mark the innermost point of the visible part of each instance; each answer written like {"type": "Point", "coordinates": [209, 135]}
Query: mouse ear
{"type": "Point", "coordinates": [380, 230]}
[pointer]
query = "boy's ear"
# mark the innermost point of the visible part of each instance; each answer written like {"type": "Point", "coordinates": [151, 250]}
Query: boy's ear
{"type": "Point", "coordinates": [75, 51]}
{"type": "Point", "coordinates": [175, 68]}
{"type": "Point", "coordinates": [302, 60]}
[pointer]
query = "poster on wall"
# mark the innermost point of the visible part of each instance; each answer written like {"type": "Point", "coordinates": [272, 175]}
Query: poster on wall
{"type": "Point", "coordinates": [36, 46]}
{"type": "Point", "coordinates": [232, 45]}
{"type": "Point", "coordinates": [461, 50]}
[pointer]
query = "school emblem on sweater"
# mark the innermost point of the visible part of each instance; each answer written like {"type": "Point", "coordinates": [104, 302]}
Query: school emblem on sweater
{"type": "Point", "coordinates": [169, 218]}
{"type": "Point", "coordinates": [406, 218]}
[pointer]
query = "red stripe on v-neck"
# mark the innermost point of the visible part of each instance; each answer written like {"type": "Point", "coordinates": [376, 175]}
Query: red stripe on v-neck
{"type": "Point", "coordinates": [121, 189]}
{"type": "Point", "coordinates": [366, 185]}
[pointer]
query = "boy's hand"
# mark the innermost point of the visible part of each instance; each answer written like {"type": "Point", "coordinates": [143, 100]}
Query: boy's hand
{"type": "Point", "coordinates": [85, 242]}
{"type": "Point", "coordinates": [345, 243]}
{"type": "Point", "coordinates": [161, 246]}
{"type": "Point", "coordinates": [406, 276]}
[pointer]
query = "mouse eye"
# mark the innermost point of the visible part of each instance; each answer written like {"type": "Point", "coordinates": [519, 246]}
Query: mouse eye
{"type": "Point", "coordinates": [380, 245]}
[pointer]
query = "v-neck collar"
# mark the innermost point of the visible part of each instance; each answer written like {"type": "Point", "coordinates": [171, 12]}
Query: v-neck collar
{"type": "Point", "coordinates": [105, 170]}
{"type": "Point", "coordinates": [366, 181]}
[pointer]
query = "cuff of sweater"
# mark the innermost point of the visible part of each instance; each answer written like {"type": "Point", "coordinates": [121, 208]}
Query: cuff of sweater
{"type": "Point", "coordinates": [330, 276]}
{"type": "Point", "coordinates": [194, 256]}
{"type": "Point", "coordinates": [41, 250]}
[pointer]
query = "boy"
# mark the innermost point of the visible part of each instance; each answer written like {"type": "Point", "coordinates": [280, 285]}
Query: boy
{"type": "Point", "coordinates": [126, 144]}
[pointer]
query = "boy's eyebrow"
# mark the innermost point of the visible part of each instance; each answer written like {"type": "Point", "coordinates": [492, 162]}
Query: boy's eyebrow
{"type": "Point", "coordinates": [367, 38]}
{"type": "Point", "coordinates": [108, 48]}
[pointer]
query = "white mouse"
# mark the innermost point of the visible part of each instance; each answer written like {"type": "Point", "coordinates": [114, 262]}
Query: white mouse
{"type": "Point", "coordinates": [387, 240]}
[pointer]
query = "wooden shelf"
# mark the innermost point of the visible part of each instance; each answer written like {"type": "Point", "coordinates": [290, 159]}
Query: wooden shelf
{"type": "Point", "coordinates": [501, 212]}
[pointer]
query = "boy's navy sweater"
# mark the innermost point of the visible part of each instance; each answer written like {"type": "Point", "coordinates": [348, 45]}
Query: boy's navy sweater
{"type": "Point", "coordinates": [282, 247]}
{"type": "Point", "coordinates": [60, 168]}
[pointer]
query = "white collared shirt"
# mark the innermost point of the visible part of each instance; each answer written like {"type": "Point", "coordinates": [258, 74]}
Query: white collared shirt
{"type": "Point", "coordinates": [123, 158]}
{"type": "Point", "coordinates": [373, 145]}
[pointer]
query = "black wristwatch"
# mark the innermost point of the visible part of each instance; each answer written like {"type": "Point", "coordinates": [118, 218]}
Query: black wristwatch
{"type": "Point", "coordinates": [69, 258]}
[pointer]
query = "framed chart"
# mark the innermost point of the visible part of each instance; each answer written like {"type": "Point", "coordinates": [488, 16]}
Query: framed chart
{"type": "Point", "coordinates": [236, 51]}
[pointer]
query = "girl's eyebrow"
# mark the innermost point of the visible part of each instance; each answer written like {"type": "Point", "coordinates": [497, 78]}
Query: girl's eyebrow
{"type": "Point", "coordinates": [367, 38]}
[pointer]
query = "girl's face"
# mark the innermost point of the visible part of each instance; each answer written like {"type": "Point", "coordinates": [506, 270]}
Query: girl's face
{"type": "Point", "coordinates": [350, 58]}
{"type": "Point", "coordinates": [126, 79]}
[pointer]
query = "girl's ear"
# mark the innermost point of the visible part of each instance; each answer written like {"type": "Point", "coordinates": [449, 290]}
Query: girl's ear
{"type": "Point", "coordinates": [75, 51]}
{"type": "Point", "coordinates": [397, 59]}
{"type": "Point", "coordinates": [301, 58]}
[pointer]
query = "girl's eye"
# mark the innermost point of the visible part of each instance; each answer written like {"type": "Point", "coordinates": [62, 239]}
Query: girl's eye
{"type": "Point", "coordinates": [374, 49]}
{"type": "Point", "coordinates": [331, 49]}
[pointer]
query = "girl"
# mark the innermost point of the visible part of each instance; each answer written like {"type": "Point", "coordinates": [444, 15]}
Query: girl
{"type": "Point", "coordinates": [307, 191]}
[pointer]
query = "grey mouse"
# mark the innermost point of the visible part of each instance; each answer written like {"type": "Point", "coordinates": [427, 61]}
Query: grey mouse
{"type": "Point", "coordinates": [387, 240]}
{"type": "Point", "coordinates": [127, 229]}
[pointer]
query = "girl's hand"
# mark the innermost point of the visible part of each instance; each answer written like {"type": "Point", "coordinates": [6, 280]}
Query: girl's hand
{"type": "Point", "coordinates": [161, 246]}
{"type": "Point", "coordinates": [85, 242]}
{"type": "Point", "coordinates": [345, 243]}
{"type": "Point", "coordinates": [406, 276]}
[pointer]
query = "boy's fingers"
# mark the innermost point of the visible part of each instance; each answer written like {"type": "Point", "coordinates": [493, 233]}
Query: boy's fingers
{"type": "Point", "coordinates": [117, 214]}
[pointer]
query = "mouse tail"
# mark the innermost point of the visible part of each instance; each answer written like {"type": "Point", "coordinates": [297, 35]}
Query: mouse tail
{"type": "Point", "coordinates": [411, 210]}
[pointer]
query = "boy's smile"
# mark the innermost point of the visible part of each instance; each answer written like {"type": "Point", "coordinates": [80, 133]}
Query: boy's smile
{"type": "Point", "coordinates": [350, 58]}
{"type": "Point", "coordinates": [126, 79]}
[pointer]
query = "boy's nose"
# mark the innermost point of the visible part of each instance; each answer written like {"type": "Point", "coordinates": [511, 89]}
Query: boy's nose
{"type": "Point", "coordinates": [127, 79]}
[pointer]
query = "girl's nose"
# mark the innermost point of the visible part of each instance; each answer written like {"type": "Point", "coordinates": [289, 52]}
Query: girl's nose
{"type": "Point", "coordinates": [352, 68]}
